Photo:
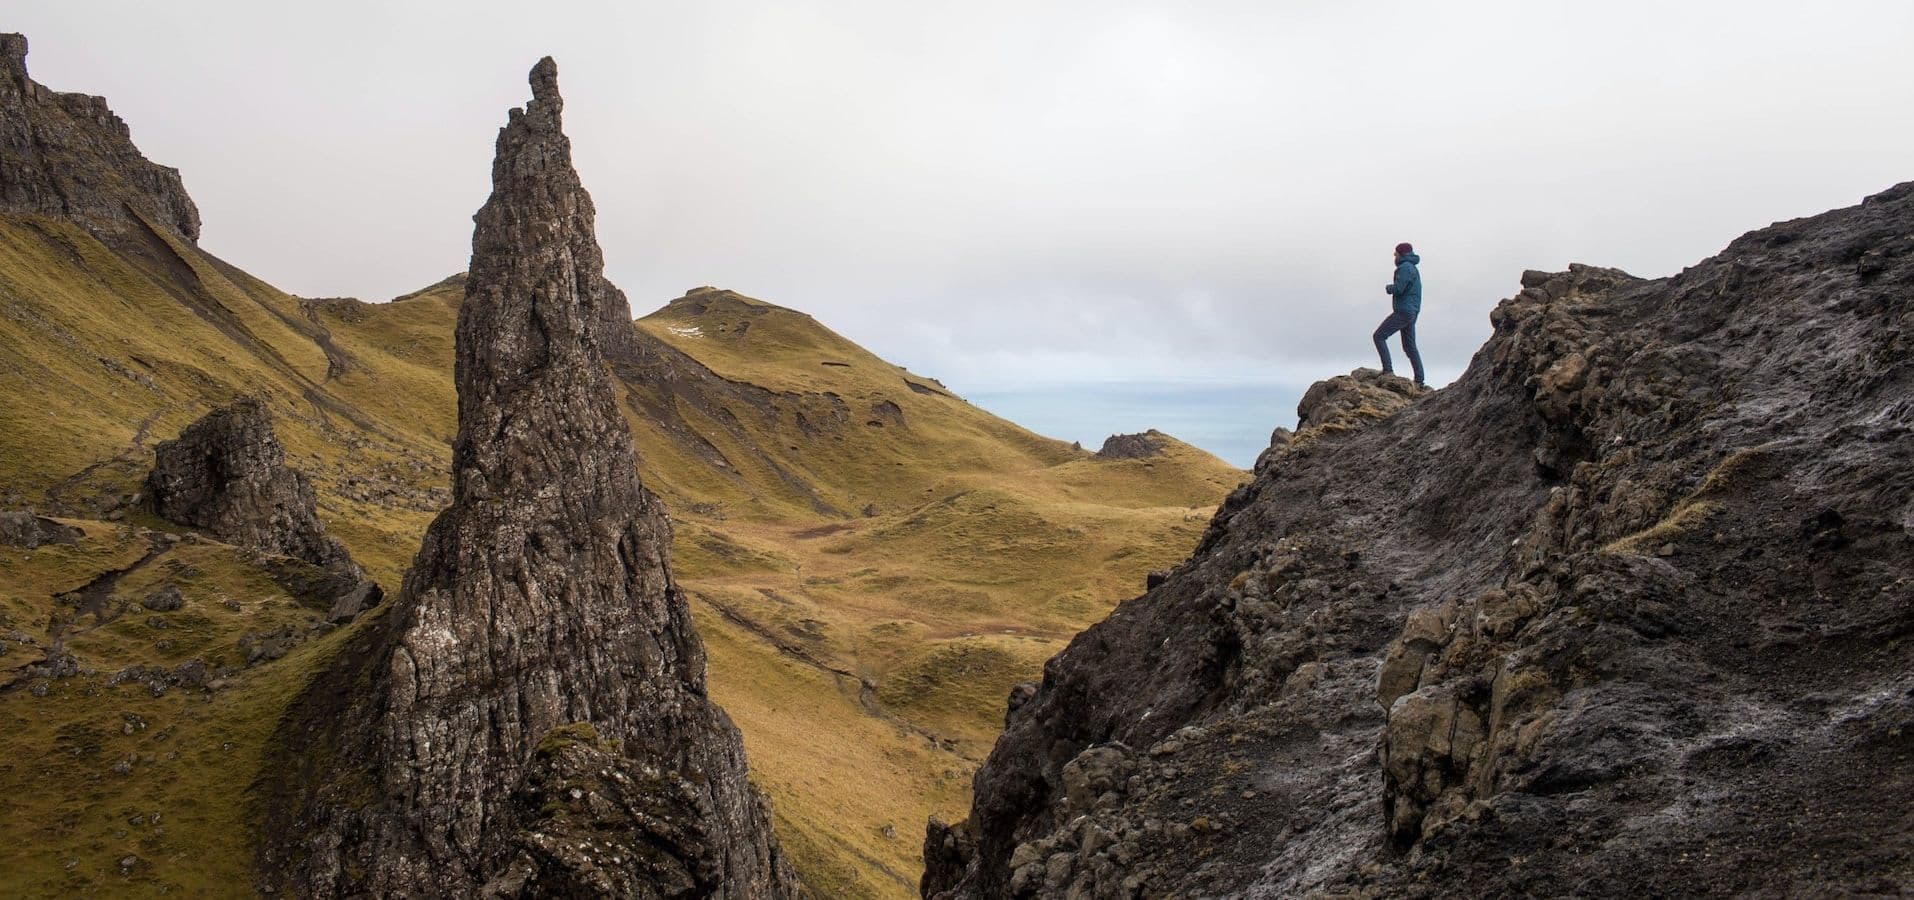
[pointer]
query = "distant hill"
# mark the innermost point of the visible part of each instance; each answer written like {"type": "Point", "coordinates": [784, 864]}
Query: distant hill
{"type": "Point", "coordinates": [874, 561]}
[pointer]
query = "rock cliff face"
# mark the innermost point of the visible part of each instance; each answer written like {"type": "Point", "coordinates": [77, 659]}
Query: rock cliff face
{"type": "Point", "coordinates": [227, 474]}
{"type": "Point", "coordinates": [1622, 612]}
{"type": "Point", "coordinates": [69, 155]}
{"type": "Point", "coordinates": [531, 715]}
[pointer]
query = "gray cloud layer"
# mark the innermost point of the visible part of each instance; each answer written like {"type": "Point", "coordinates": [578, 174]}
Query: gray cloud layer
{"type": "Point", "coordinates": [1009, 193]}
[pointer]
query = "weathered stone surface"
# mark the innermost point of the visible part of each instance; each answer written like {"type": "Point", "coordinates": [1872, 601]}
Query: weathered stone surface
{"type": "Point", "coordinates": [946, 850]}
{"type": "Point", "coordinates": [348, 605]}
{"type": "Point", "coordinates": [68, 155]}
{"type": "Point", "coordinates": [1348, 401]}
{"type": "Point", "coordinates": [596, 823]}
{"type": "Point", "coordinates": [166, 599]}
{"type": "Point", "coordinates": [1142, 445]}
{"type": "Point", "coordinates": [26, 530]}
{"type": "Point", "coordinates": [227, 474]}
{"type": "Point", "coordinates": [1622, 612]}
{"type": "Point", "coordinates": [541, 601]}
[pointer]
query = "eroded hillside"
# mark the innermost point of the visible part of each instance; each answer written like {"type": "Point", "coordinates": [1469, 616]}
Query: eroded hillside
{"type": "Point", "coordinates": [868, 593]}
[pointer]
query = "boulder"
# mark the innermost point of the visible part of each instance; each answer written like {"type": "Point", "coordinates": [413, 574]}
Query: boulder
{"type": "Point", "coordinates": [1134, 446]}
{"type": "Point", "coordinates": [227, 475]}
{"type": "Point", "coordinates": [166, 599]}
{"type": "Point", "coordinates": [28, 531]}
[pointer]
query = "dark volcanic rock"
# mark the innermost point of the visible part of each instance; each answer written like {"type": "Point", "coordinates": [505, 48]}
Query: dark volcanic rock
{"type": "Point", "coordinates": [1623, 612]}
{"type": "Point", "coordinates": [340, 592]}
{"type": "Point", "coordinates": [166, 599]}
{"type": "Point", "coordinates": [349, 604]}
{"type": "Point", "coordinates": [597, 823]}
{"type": "Point", "coordinates": [24, 529]}
{"type": "Point", "coordinates": [1347, 401]}
{"type": "Point", "coordinates": [1133, 446]}
{"type": "Point", "coordinates": [227, 474]}
{"type": "Point", "coordinates": [69, 155]}
{"type": "Point", "coordinates": [539, 612]}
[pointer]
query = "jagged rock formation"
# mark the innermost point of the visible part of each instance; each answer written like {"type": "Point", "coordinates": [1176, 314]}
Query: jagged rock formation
{"type": "Point", "coordinates": [227, 474]}
{"type": "Point", "coordinates": [1349, 401]}
{"type": "Point", "coordinates": [595, 823]}
{"type": "Point", "coordinates": [1339, 404]}
{"type": "Point", "coordinates": [1133, 446]}
{"type": "Point", "coordinates": [1623, 612]}
{"type": "Point", "coordinates": [540, 612]}
{"type": "Point", "coordinates": [68, 155]}
{"type": "Point", "coordinates": [28, 531]}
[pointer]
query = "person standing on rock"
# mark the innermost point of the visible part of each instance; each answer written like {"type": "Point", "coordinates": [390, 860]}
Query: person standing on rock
{"type": "Point", "coordinates": [1406, 298]}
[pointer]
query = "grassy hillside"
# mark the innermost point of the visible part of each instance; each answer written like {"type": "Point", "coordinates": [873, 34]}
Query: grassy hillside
{"type": "Point", "coordinates": [873, 561]}
{"type": "Point", "coordinates": [126, 778]}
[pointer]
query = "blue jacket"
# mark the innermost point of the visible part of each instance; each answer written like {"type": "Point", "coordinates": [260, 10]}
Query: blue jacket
{"type": "Point", "coordinates": [1407, 290]}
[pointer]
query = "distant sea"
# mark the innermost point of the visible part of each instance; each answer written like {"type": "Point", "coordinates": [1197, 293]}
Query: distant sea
{"type": "Point", "coordinates": [1231, 419]}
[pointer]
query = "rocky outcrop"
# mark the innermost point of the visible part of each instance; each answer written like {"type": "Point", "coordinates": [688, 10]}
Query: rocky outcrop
{"type": "Point", "coordinates": [1353, 400]}
{"type": "Point", "coordinates": [28, 531]}
{"type": "Point", "coordinates": [1622, 612]}
{"type": "Point", "coordinates": [1340, 404]}
{"type": "Point", "coordinates": [530, 717]}
{"type": "Point", "coordinates": [226, 474]}
{"type": "Point", "coordinates": [1133, 446]}
{"type": "Point", "coordinates": [596, 823]}
{"type": "Point", "coordinates": [69, 155]}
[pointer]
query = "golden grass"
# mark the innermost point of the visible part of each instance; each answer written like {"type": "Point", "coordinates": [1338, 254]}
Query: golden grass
{"type": "Point", "coordinates": [1693, 510]}
{"type": "Point", "coordinates": [989, 548]}
{"type": "Point", "coordinates": [72, 816]}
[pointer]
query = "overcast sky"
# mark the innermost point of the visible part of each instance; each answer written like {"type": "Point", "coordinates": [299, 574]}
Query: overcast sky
{"type": "Point", "coordinates": [1025, 194]}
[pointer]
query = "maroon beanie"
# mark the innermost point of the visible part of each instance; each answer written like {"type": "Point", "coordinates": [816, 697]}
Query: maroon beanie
{"type": "Point", "coordinates": [1403, 249]}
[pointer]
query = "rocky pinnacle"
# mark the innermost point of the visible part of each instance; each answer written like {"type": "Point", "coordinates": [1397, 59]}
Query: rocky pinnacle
{"type": "Point", "coordinates": [539, 625]}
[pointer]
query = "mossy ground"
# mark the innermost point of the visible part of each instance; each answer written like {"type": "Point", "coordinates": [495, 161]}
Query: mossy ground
{"type": "Point", "coordinates": [865, 658]}
{"type": "Point", "coordinates": [112, 790]}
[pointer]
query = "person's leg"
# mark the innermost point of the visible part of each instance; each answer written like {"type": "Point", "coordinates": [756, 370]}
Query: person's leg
{"type": "Point", "coordinates": [1409, 348]}
{"type": "Point", "coordinates": [1388, 327]}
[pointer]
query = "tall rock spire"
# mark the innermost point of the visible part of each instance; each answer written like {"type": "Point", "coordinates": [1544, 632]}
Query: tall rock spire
{"type": "Point", "coordinates": [539, 674]}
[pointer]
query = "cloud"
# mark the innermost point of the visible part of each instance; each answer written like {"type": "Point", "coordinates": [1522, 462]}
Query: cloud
{"type": "Point", "coordinates": [1002, 193]}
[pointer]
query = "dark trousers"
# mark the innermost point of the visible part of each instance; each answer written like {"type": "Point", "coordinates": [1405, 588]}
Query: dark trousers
{"type": "Point", "coordinates": [1405, 323]}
